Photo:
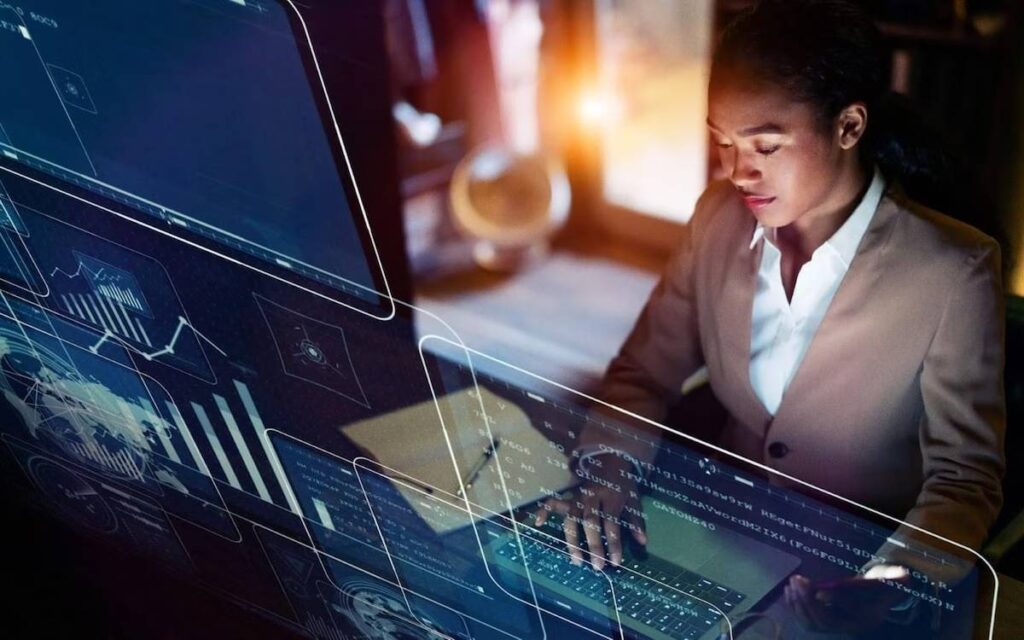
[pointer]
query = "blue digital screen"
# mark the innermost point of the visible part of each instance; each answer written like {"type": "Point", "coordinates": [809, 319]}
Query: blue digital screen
{"type": "Point", "coordinates": [199, 113]}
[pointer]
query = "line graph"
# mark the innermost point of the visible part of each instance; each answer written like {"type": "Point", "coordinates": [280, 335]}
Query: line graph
{"type": "Point", "coordinates": [122, 295]}
{"type": "Point", "coordinates": [183, 323]}
{"type": "Point", "coordinates": [116, 285]}
{"type": "Point", "coordinates": [77, 272]}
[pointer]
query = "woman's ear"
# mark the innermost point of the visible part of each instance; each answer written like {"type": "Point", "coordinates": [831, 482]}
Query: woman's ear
{"type": "Point", "coordinates": [851, 124]}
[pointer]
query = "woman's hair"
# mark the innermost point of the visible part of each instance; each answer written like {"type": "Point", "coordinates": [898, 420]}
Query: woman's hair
{"type": "Point", "coordinates": [828, 54]}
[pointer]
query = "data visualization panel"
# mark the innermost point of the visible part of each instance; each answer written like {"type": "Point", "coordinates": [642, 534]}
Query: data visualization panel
{"type": "Point", "coordinates": [207, 117]}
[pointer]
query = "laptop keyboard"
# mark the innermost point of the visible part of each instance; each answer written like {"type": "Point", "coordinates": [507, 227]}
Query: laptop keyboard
{"type": "Point", "coordinates": [674, 601]}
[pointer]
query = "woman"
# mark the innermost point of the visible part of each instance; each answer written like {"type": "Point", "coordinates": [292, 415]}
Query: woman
{"type": "Point", "coordinates": [853, 335]}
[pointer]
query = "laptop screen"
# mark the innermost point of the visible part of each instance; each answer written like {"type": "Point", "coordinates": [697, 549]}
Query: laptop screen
{"type": "Point", "coordinates": [206, 118]}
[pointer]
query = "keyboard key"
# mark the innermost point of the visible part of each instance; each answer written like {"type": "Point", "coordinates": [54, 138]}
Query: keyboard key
{"type": "Point", "coordinates": [675, 603]}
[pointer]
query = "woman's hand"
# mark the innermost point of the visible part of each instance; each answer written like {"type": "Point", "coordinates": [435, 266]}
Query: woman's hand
{"type": "Point", "coordinates": [854, 607]}
{"type": "Point", "coordinates": [603, 504]}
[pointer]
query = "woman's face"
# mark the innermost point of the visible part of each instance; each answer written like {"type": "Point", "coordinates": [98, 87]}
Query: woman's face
{"type": "Point", "coordinates": [774, 152]}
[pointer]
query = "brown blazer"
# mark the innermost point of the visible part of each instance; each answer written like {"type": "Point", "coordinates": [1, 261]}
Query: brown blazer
{"type": "Point", "coordinates": [898, 403]}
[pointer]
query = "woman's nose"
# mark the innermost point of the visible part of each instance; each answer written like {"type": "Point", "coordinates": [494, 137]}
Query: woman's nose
{"type": "Point", "coordinates": [743, 172]}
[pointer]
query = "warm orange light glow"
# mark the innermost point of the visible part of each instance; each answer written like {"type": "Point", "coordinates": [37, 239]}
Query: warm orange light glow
{"type": "Point", "coordinates": [596, 108]}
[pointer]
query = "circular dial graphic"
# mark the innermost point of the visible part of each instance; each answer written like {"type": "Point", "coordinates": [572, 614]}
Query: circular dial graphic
{"type": "Point", "coordinates": [72, 495]}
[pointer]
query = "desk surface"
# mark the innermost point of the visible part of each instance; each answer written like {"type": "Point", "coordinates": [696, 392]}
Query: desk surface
{"type": "Point", "coordinates": [564, 318]}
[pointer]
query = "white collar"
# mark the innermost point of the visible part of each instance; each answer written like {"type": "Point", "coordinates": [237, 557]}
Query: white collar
{"type": "Point", "coordinates": [845, 240]}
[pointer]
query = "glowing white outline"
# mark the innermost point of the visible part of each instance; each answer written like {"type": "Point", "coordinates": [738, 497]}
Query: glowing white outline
{"type": "Point", "coordinates": [386, 295]}
{"type": "Point", "coordinates": [321, 584]}
{"type": "Point", "coordinates": [145, 379]}
{"type": "Point", "coordinates": [366, 496]}
{"type": "Point", "coordinates": [730, 454]}
{"type": "Point", "coordinates": [995, 575]}
{"type": "Point", "coordinates": [365, 403]}
{"type": "Point", "coordinates": [659, 426]}
{"type": "Point", "coordinates": [501, 475]}
{"type": "Point", "coordinates": [46, 286]}
{"type": "Point", "coordinates": [320, 552]}
{"type": "Point", "coordinates": [326, 573]}
{"type": "Point", "coordinates": [96, 479]}
{"type": "Point", "coordinates": [75, 321]}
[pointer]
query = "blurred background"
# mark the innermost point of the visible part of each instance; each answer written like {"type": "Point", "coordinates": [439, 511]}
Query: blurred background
{"type": "Point", "coordinates": [549, 152]}
{"type": "Point", "coordinates": [503, 106]}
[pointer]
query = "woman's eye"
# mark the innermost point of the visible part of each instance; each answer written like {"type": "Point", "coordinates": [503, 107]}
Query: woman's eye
{"type": "Point", "coordinates": [722, 145]}
{"type": "Point", "coordinates": [767, 151]}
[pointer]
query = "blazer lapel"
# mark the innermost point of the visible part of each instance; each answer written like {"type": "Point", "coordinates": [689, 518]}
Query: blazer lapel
{"type": "Point", "coordinates": [734, 301]}
{"type": "Point", "coordinates": [856, 288]}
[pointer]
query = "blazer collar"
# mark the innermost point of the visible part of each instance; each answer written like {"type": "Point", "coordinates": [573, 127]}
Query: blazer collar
{"type": "Point", "coordinates": [736, 300]}
{"type": "Point", "coordinates": [846, 239]}
{"type": "Point", "coordinates": [853, 297]}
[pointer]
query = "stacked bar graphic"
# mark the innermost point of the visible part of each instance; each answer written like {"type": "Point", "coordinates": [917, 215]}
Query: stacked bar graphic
{"type": "Point", "coordinates": [120, 462]}
{"type": "Point", "coordinates": [108, 313]}
{"type": "Point", "coordinates": [193, 449]}
{"type": "Point", "coordinates": [261, 430]}
{"type": "Point", "coordinates": [218, 448]}
{"type": "Point", "coordinates": [240, 449]}
{"type": "Point", "coordinates": [243, 448]}
{"type": "Point", "coordinates": [121, 295]}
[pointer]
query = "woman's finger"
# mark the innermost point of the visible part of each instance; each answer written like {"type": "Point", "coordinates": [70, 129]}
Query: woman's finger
{"type": "Point", "coordinates": [636, 525]}
{"type": "Point", "coordinates": [542, 517]}
{"type": "Point", "coordinates": [613, 533]}
{"type": "Point", "coordinates": [801, 610]}
{"type": "Point", "coordinates": [818, 615]}
{"type": "Point", "coordinates": [561, 507]}
{"type": "Point", "coordinates": [570, 527]}
{"type": "Point", "coordinates": [592, 529]}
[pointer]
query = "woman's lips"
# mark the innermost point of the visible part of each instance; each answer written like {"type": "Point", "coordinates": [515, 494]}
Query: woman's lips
{"type": "Point", "coordinates": [755, 203]}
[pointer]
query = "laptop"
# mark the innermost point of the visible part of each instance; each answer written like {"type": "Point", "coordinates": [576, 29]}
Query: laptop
{"type": "Point", "coordinates": [691, 575]}
{"type": "Point", "coordinates": [683, 584]}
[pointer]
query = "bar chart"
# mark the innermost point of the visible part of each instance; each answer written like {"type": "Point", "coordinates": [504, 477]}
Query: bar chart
{"type": "Point", "coordinates": [119, 294]}
{"type": "Point", "coordinates": [219, 417]}
{"type": "Point", "coordinates": [122, 462]}
{"type": "Point", "coordinates": [108, 313]}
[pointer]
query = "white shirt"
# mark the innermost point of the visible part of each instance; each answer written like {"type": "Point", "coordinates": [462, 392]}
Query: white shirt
{"type": "Point", "coordinates": [782, 330]}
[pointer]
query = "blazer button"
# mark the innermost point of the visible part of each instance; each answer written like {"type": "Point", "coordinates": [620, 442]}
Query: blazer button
{"type": "Point", "coordinates": [778, 449]}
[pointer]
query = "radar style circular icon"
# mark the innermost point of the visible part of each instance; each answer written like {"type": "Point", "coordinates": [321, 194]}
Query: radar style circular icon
{"type": "Point", "coordinates": [82, 417]}
{"type": "Point", "coordinates": [510, 203]}
{"type": "Point", "coordinates": [312, 352]}
{"type": "Point", "coordinates": [72, 495]}
{"type": "Point", "coordinates": [380, 613]}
